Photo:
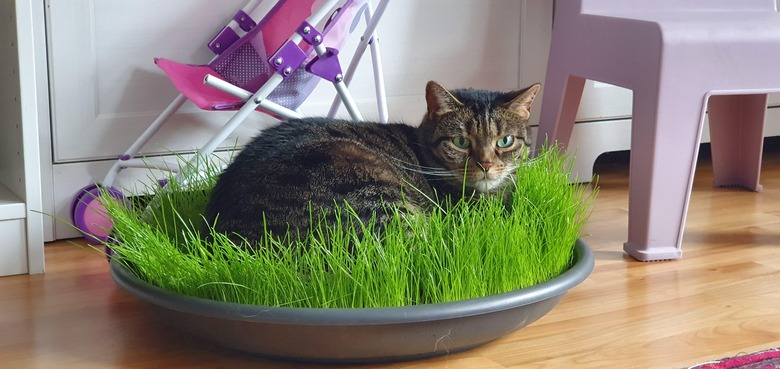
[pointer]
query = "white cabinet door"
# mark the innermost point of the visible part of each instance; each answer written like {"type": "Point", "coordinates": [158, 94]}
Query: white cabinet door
{"type": "Point", "coordinates": [105, 88]}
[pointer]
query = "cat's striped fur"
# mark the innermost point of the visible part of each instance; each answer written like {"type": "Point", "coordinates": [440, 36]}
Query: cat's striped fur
{"type": "Point", "coordinates": [315, 163]}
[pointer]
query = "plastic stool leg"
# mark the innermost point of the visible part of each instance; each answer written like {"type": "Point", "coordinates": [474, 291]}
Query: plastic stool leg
{"type": "Point", "coordinates": [736, 133]}
{"type": "Point", "coordinates": [562, 94]}
{"type": "Point", "coordinates": [665, 134]}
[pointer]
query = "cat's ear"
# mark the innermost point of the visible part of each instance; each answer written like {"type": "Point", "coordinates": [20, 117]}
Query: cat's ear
{"type": "Point", "coordinates": [440, 101]}
{"type": "Point", "coordinates": [521, 104]}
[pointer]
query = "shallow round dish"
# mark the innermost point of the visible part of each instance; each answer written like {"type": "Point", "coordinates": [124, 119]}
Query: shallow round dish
{"type": "Point", "coordinates": [359, 335]}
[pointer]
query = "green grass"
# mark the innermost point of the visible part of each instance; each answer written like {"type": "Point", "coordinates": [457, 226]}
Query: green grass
{"type": "Point", "coordinates": [471, 249]}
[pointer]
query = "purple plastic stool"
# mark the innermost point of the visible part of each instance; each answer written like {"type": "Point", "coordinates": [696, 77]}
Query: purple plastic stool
{"type": "Point", "coordinates": [679, 57]}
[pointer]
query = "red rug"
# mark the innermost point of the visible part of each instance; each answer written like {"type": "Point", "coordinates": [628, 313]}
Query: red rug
{"type": "Point", "coordinates": [768, 359]}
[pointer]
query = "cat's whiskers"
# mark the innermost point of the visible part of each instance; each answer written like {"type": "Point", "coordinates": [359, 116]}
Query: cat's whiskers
{"type": "Point", "coordinates": [430, 171]}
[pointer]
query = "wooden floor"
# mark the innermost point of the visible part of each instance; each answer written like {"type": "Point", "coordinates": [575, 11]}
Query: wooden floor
{"type": "Point", "coordinates": [721, 299]}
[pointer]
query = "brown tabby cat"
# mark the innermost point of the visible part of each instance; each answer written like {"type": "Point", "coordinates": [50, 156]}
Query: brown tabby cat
{"type": "Point", "coordinates": [314, 164]}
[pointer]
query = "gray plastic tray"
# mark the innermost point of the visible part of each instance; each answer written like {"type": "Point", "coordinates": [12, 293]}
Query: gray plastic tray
{"type": "Point", "coordinates": [358, 335]}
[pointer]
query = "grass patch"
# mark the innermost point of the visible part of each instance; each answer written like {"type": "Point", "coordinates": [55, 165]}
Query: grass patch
{"type": "Point", "coordinates": [471, 249]}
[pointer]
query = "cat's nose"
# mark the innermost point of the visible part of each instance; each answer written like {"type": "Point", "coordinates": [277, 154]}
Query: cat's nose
{"type": "Point", "coordinates": [485, 165]}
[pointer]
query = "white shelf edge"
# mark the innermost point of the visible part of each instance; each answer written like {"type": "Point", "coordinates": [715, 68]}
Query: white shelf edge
{"type": "Point", "coordinates": [11, 206]}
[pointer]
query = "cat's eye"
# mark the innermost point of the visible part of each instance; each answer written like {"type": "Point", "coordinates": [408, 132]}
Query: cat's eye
{"type": "Point", "coordinates": [461, 142]}
{"type": "Point", "coordinates": [505, 141]}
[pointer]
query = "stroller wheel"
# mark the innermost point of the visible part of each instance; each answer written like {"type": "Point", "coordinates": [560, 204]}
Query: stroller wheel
{"type": "Point", "coordinates": [90, 216]}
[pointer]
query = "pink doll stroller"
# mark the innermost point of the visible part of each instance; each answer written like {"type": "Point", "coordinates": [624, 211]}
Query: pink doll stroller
{"type": "Point", "coordinates": [270, 66]}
